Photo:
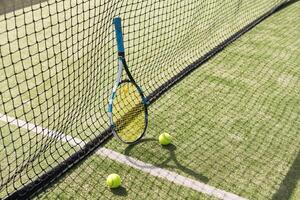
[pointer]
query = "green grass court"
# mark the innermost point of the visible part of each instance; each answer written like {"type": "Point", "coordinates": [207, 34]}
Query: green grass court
{"type": "Point", "coordinates": [235, 121]}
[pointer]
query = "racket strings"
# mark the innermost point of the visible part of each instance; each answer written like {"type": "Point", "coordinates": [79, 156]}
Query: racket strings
{"type": "Point", "coordinates": [128, 113]}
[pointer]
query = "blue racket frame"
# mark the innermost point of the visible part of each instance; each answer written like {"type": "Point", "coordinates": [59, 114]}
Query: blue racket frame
{"type": "Point", "coordinates": [123, 65]}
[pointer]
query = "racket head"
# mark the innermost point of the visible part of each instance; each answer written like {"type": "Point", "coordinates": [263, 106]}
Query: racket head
{"type": "Point", "coordinates": [128, 112]}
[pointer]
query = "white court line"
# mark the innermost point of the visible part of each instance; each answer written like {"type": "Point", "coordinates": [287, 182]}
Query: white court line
{"type": "Point", "coordinates": [127, 160]}
{"type": "Point", "coordinates": [40, 130]}
{"type": "Point", "coordinates": [170, 176]}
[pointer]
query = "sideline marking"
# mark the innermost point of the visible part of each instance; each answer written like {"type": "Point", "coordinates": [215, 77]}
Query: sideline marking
{"type": "Point", "coordinates": [127, 160]}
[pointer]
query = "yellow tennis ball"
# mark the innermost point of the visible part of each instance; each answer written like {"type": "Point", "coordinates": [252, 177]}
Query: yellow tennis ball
{"type": "Point", "coordinates": [165, 139]}
{"type": "Point", "coordinates": [113, 181]}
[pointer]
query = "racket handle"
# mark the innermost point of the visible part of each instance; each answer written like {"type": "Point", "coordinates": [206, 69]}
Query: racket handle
{"type": "Point", "coordinates": [119, 35]}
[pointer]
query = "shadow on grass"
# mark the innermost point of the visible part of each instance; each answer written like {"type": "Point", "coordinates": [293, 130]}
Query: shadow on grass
{"type": "Point", "coordinates": [120, 191]}
{"type": "Point", "coordinates": [289, 183]}
{"type": "Point", "coordinates": [7, 6]}
{"type": "Point", "coordinates": [172, 157]}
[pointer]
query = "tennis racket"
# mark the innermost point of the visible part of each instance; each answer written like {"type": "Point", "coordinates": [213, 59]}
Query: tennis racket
{"type": "Point", "coordinates": [127, 107]}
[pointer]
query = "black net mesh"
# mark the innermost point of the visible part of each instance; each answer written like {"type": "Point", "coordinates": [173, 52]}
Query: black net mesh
{"type": "Point", "coordinates": [234, 120]}
{"type": "Point", "coordinates": [129, 115]}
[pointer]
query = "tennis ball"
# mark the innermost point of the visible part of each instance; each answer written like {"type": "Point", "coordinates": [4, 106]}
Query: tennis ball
{"type": "Point", "coordinates": [165, 139]}
{"type": "Point", "coordinates": [113, 181]}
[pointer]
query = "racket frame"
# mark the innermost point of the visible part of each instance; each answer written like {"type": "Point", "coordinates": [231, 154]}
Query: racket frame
{"type": "Point", "coordinates": [123, 65]}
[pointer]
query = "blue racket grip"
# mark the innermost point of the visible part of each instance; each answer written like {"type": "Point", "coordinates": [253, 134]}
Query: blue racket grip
{"type": "Point", "coordinates": [119, 35]}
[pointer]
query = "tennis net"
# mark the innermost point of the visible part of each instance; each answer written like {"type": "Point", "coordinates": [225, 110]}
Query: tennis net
{"type": "Point", "coordinates": [58, 64]}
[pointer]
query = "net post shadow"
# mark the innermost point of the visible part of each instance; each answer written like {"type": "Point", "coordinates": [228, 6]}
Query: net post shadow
{"type": "Point", "coordinates": [289, 183]}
